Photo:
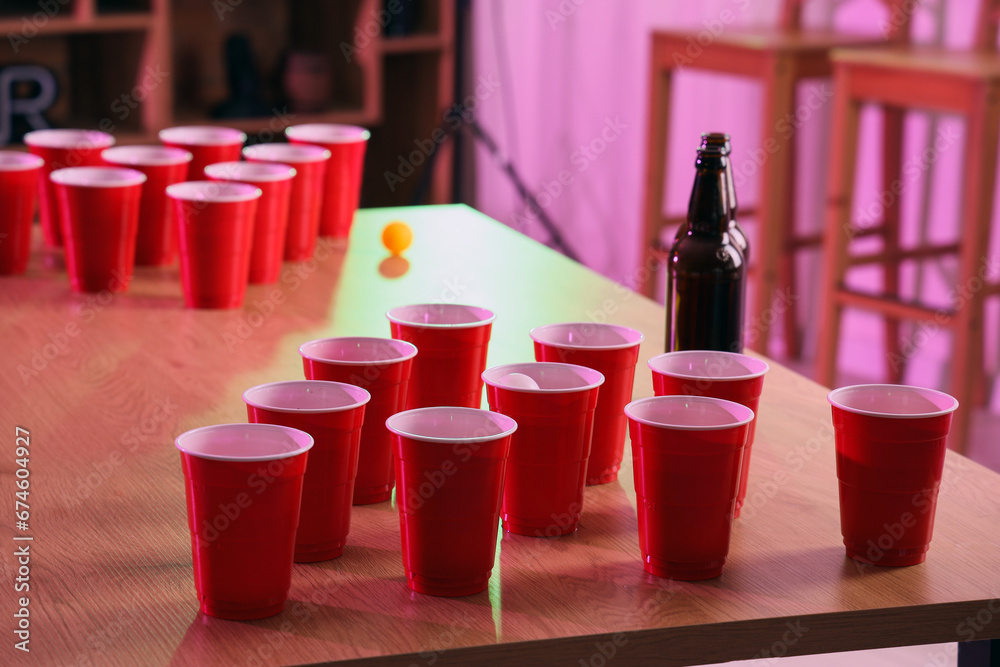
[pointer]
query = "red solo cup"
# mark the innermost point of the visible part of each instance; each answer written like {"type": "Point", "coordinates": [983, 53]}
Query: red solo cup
{"type": "Point", "coordinates": [453, 341]}
{"type": "Point", "coordinates": [156, 241]}
{"type": "Point", "coordinates": [450, 468]}
{"type": "Point", "coordinates": [271, 221]}
{"type": "Point", "coordinates": [215, 229]}
{"type": "Point", "coordinates": [891, 442]}
{"type": "Point", "coordinates": [206, 143]}
{"type": "Point", "coordinates": [553, 405]}
{"type": "Point", "coordinates": [310, 164]}
{"type": "Point", "coordinates": [243, 484]}
{"type": "Point", "coordinates": [613, 351]}
{"type": "Point", "coordinates": [727, 375]}
{"type": "Point", "coordinates": [332, 413]}
{"type": "Point", "coordinates": [382, 367]}
{"type": "Point", "coordinates": [686, 457]}
{"type": "Point", "coordinates": [342, 192]}
{"type": "Point", "coordinates": [62, 149]}
{"type": "Point", "coordinates": [19, 175]}
{"type": "Point", "coordinates": [99, 212]}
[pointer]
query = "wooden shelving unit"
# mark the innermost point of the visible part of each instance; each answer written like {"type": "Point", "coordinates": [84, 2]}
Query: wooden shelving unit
{"type": "Point", "coordinates": [137, 66]}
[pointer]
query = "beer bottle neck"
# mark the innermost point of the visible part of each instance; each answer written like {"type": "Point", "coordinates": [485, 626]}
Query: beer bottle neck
{"type": "Point", "coordinates": [708, 209]}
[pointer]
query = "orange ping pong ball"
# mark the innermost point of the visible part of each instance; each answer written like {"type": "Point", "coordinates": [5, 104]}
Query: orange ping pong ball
{"type": "Point", "coordinates": [397, 237]}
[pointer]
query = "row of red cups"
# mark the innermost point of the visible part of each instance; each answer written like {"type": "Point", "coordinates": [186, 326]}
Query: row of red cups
{"type": "Point", "coordinates": [115, 215]}
{"type": "Point", "coordinates": [383, 415]}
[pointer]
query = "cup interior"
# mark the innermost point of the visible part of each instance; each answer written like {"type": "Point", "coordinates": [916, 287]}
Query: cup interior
{"type": "Point", "coordinates": [97, 177]}
{"type": "Point", "coordinates": [15, 161]}
{"type": "Point", "coordinates": [250, 171]}
{"type": "Point", "coordinates": [446, 424]}
{"type": "Point", "coordinates": [146, 156]}
{"type": "Point", "coordinates": [244, 442]}
{"type": "Point", "coordinates": [301, 396]}
{"type": "Point", "coordinates": [327, 133]}
{"type": "Point", "coordinates": [708, 364]}
{"type": "Point", "coordinates": [451, 315]}
{"type": "Point", "coordinates": [352, 350]}
{"type": "Point", "coordinates": [213, 191]}
{"type": "Point", "coordinates": [69, 139]}
{"type": "Point", "coordinates": [892, 401]}
{"type": "Point", "coordinates": [286, 153]}
{"type": "Point", "coordinates": [202, 135]}
{"type": "Point", "coordinates": [688, 413]}
{"type": "Point", "coordinates": [586, 335]}
{"type": "Point", "coordinates": [543, 377]}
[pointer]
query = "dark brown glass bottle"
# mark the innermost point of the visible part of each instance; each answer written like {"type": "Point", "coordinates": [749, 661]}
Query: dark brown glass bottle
{"type": "Point", "coordinates": [721, 141]}
{"type": "Point", "coordinates": [706, 271]}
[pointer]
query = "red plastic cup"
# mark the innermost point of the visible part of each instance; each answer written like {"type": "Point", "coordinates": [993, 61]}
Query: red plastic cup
{"type": "Point", "coordinates": [206, 143]}
{"type": "Point", "coordinates": [243, 484]}
{"type": "Point", "coordinates": [99, 212]}
{"type": "Point", "coordinates": [613, 351]}
{"type": "Point", "coordinates": [19, 175]}
{"type": "Point", "coordinates": [450, 469]}
{"type": "Point", "coordinates": [891, 442]}
{"type": "Point", "coordinates": [332, 413]}
{"type": "Point", "coordinates": [271, 221]}
{"type": "Point", "coordinates": [342, 192]}
{"type": "Point", "coordinates": [686, 457]}
{"type": "Point", "coordinates": [553, 405]}
{"type": "Point", "coordinates": [62, 149]}
{"type": "Point", "coordinates": [453, 341]}
{"type": "Point", "coordinates": [156, 240]}
{"type": "Point", "coordinates": [727, 375]}
{"type": "Point", "coordinates": [382, 367]}
{"type": "Point", "coordinates": [310, 164]}
{"type": "Point", "coordinates": [215, 230]}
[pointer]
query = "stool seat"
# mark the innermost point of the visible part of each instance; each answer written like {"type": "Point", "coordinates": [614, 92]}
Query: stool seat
{"type": "Point", "coordinates": [921, 62]}
{"type": "Point", "coordinates": [770, 39]}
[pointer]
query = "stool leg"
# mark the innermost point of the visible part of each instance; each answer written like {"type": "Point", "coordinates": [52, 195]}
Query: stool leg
{"type": "Point", "coordinates": [657, 133]}
{"type": "Point", "coordinates": [786, 269]}
{"type": "Point", "coordinates": [772, 204]}
{"type": "Point", "coordinates": [892, 172]}
{"type": "Point", "coordinates": [977, 197]}
{"type": "Point", "coordinates": [837, 230]}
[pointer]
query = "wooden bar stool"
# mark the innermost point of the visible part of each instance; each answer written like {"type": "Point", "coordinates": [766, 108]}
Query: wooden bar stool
{"type": "Point", "coordinates": [780, 58]}
{"type": "Point", "coordinates": [900, 79]}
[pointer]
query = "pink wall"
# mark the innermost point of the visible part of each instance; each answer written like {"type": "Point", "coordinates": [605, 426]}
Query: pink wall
{"type": "Point", "coordinates": [579, 68]}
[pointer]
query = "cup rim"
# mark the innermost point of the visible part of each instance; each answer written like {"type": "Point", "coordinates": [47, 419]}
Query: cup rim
{"type": "Point", "coordinates": [294, 433]}
{"type": "Point", "coordinates": [250, 172]}
{"type": "Point", "coordinates": [410, 353]}
{"type": "Point", "coordinates": [833, 397]}
{"type": "Point", "coordinates": [285, 152]}
{"type": "Point", "coordinates": [146, 156]}
{"type": "Point", "coordinates": [327, 133]}
{"type": "Point", "coordinates": [201, 135]}
{"type": "Point", "coordinates": [536, 332]}
{"type": "Point", "coordinates": [697, 353]}
{"type": "Point", "coordinates": [498, 372]}
{"type": "Point", "coordinates": [351, 389]}
{"type": "Point", "coordinates": [739, 407]}
{"type": "Point", "coordinates": [441, 325]}
{"type": "Point", "coordinates": [18, 161]}
{"type": "Point", "coordinates": [225, 191]}
{"type": "Point", "coordinates": [97, 177]}
{"type": "Point", "coordinates": [68, 138]}
{"type": "Point", "coordinates": [511, 425]}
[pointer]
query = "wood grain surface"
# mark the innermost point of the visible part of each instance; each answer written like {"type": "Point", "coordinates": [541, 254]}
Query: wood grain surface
{"type": "Point", "coordinates": [105, 383]}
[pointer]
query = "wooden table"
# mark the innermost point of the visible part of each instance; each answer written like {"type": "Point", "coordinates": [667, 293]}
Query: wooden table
{"type": "Point", "coordinates": [104, 383]}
